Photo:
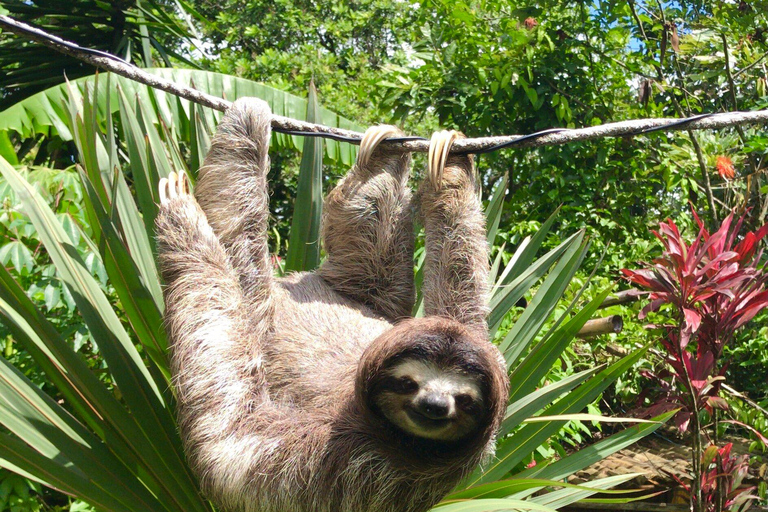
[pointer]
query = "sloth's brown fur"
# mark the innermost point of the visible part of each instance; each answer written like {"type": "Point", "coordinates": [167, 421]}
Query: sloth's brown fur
{"type": "Point", "coordinates": [276, 378]}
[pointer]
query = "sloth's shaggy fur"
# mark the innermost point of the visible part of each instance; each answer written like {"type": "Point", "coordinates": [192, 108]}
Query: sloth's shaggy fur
{"type": "Point", "coordinates": [282, 383]}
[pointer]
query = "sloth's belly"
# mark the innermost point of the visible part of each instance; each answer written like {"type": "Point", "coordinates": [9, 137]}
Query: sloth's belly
{"type": "Point", "coordinates": [318, 339]}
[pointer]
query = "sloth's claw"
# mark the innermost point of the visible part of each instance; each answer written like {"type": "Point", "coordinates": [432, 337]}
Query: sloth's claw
{"type": "Point", "coordinates": [371, 140]}
{"type": "Point", "coordinates": [184, 185]}
{"type": "Point", "coordinates": [439, 147]}
{"type": "Point", "coordinates": [163, 190]}
{"type": "Point", "coordinates": [175, 185]}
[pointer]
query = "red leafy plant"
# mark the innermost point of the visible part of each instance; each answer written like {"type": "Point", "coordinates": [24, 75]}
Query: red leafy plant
{"type": "Point", "coordinates": [712, 287]}
{"type": "Point", "coordinates": [721, 480]}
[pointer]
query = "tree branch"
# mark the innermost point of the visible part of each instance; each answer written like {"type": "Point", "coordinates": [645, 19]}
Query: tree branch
{"type": "Point", "coordinates": [287, 125]}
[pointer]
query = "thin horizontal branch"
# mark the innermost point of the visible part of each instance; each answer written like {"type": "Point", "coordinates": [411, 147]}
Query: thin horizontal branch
{"type": "Point", "coordinates": [116, 65]}
{"type": "Point", "coordinates": [622, 297]}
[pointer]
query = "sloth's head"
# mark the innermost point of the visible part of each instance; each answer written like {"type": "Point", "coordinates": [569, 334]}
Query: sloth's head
{"type": "Point", "coordinates": [428, 400]}
{"type": "Point", "coordinates": [432, 379]}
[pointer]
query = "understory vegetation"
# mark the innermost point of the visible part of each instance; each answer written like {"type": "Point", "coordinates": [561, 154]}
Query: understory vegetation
{"type": "Point", "coordinates": [86, 405]}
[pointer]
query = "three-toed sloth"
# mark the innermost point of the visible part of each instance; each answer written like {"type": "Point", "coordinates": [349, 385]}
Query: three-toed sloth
{"type": "Point", "coordinates": [318, 392]}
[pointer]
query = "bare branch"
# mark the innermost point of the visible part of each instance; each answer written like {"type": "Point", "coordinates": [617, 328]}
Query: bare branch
{"type": "Point", "coordinates": [116, 65]}
{"type": "Point", "coordinates": [607, 325]}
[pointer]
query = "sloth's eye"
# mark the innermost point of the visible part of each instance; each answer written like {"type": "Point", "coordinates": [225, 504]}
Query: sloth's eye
{"type": "Point", "coordinates": [463, 401]}
{"type": "Point", "coordinates": [405, 385]}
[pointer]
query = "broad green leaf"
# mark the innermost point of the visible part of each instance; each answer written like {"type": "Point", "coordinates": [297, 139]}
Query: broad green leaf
{"type": "Point", "coordinates": [7, 150]}
{"type": "Point", "coordinates": [52, 295]}
{"type": "Point", "coordinates": [418, 279]}
{"type": "Point", "coordinates": [18, 255]}
{"type": "Point", "coordinates": [70, 227]}
{"type": "Point", "coordinates": [304, 242]}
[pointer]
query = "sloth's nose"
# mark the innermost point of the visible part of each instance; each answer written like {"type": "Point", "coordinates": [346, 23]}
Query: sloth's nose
{"type": "Point", "coordinates": [435, 406]}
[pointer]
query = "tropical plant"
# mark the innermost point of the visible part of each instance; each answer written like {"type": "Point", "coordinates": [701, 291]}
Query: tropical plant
{"type": "Point", "coordinates": [721, 482]}
{"type": "Point", "coordinates": [114, 443]}
{"type": "Point", "coordinates": [138, 31]}
{"type": "Point", "coordinates": [712, 287]}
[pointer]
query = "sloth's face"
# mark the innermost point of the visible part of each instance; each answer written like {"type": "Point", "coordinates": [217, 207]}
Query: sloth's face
{"type": "Point", "coordinates": [422, 399]}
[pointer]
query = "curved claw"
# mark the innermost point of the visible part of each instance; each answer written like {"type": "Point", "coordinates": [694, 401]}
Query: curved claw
{"type": "Point", "coordinates": [439, 147]}
{"type": "Point", "coordinates": [162, 188]}
{"type": "Point", "coordinates": [183, 184]}
{"type": "Point", "coordinates": [175, 185]}
{"type": "Point", "coordinates": [372, 137]}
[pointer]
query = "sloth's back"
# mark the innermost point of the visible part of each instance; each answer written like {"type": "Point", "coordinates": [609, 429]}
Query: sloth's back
{"type": "Point", "coordinates": [318, 339]}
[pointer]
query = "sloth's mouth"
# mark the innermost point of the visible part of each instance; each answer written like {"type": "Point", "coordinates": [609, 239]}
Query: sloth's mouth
{"type": "Point", "coordinates": [425, 422]}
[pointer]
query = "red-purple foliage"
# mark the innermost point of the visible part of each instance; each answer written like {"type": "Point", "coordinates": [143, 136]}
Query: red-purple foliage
{"type": "Point", "coordinates": [715, 285]}
{"type": "Point", "coordinates": [721, 479]}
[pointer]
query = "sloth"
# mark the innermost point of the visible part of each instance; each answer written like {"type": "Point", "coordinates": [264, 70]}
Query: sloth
{"type": "Point", "coordinates": [318, 392]}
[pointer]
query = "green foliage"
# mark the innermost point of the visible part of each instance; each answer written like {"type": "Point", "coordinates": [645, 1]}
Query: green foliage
{"type": "Point", "coordinates": [304, 244]}
{"type": "Point", "coordinates": [34, 270]}
{"type": "Point", "coordinates": [17, 493]}
{"type": "Point", "coordinates": [129, 29]}
{"type": "Point", "coordinates": [341, 46]}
